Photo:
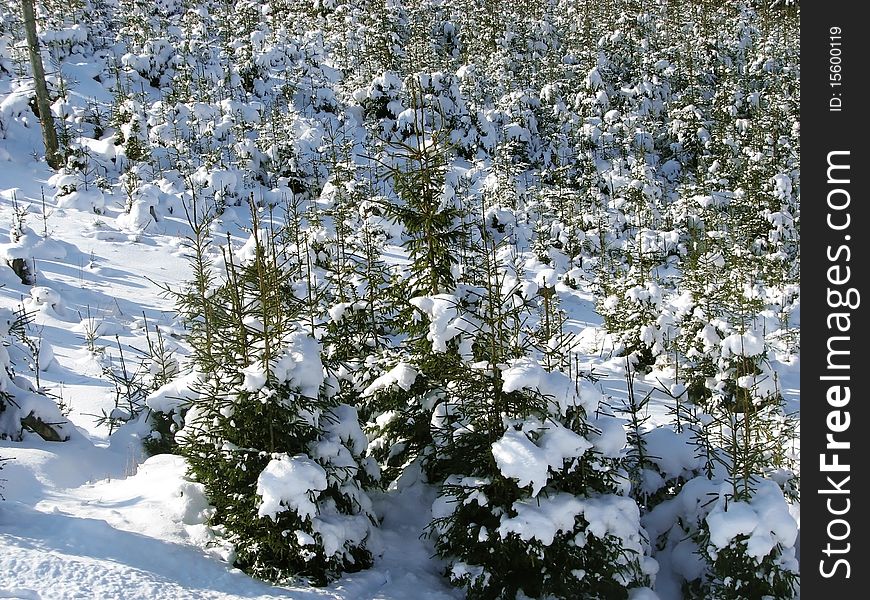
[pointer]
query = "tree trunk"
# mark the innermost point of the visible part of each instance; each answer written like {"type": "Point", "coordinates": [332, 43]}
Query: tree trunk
{"type": "Point", "coordinates": [49, 135]}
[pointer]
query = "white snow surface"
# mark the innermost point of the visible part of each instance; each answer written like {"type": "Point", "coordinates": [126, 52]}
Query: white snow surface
{"type": "Point", "coordinates": [81, 524]}
{"type": "Point", "coordinates": [290, 482]}
{"type": "Point", "coordinates": [765, 519]}
{"type": "Point", "coordinates": [529, 462]}
{"type": "Point", "coordinates": [402, 375]}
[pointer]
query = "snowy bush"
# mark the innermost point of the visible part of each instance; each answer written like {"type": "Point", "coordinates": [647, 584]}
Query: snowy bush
{"type": "Point", "coordinates": [716, 547]}
{"type": "Point", "coordinates": [534, 504]}
{"type": "Point", "coordinates": [532, 496]}
{"type": "Point", "coordinates": [400, 402]}
{"type": "Point", "coordinates": [279, 459]}
{"type": "Point", "coordinates": [22, 406]}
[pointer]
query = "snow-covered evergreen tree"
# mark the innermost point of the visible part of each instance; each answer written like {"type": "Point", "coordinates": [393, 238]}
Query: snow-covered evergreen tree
{"type": "Point", "coordinates": [279, 458]}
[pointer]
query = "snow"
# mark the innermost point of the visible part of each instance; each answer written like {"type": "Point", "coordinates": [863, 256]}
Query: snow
{"type": "Point", "coordinates": [606, 515]}
{"type": "Point", "coordinates": [42, 295]}
{"type": "Point", "coordinates": [727, 524]}
{"type": "Point", "coordinates": [402, 375]}
{"type": "Point", "coordinates": [299, 364]}
{"type": "Point", "coordinates": [288, 482]}
{"type": "Point", "coordinates": [518, 457]}
{"type": "Point", "coordinates": [671, 452]}
{"type": "Point", "coordinates": [255, 377]}
{"type": "Point", "coordinates": [547, 278]}
{"type": "Point", "coordinates": [543, 518]}
{"type": "Point", "coordinates": [608, 436]}
{"type": "Point", "coordinates": [555, 386]}
{"type": "Point", "coordinates": [173, 395]}
{"type": "Point", "coordinates": [444, 320]}
{"type": "Point", "coordinates": [342, 423]}
{"type": "Point", "coordinates": [561, 444]}
{"type": "Point", "coordinates": [765, 519]}
{"type": "Point", "coordinates": [742, 344]}
{"type": "Point", "coordinates": [336, 313]}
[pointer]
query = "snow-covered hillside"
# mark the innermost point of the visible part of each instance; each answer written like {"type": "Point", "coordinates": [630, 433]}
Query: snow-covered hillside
{"type": "Point", "coordinates": [407, 299]}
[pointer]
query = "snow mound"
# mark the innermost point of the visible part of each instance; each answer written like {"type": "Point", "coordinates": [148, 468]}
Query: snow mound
{"type": "Point", "coordinates": [402, 375]}
{"type": "Point", "coordinates": [521, 458]}
{"type": "Point", "coordinates": [287, 482]}
{"type": "Point", "coordinates": [765, 519]}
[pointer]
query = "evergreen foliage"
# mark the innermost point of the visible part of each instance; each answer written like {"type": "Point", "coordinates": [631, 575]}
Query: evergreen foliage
{"type": "Point", "coordinates": [263, 411]}
{"type": "Point", "coordinates": [23, 406]}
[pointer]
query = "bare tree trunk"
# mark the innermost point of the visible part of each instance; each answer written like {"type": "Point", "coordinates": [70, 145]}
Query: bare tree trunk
{"type": "Point", "coordinates": [49, 135]}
